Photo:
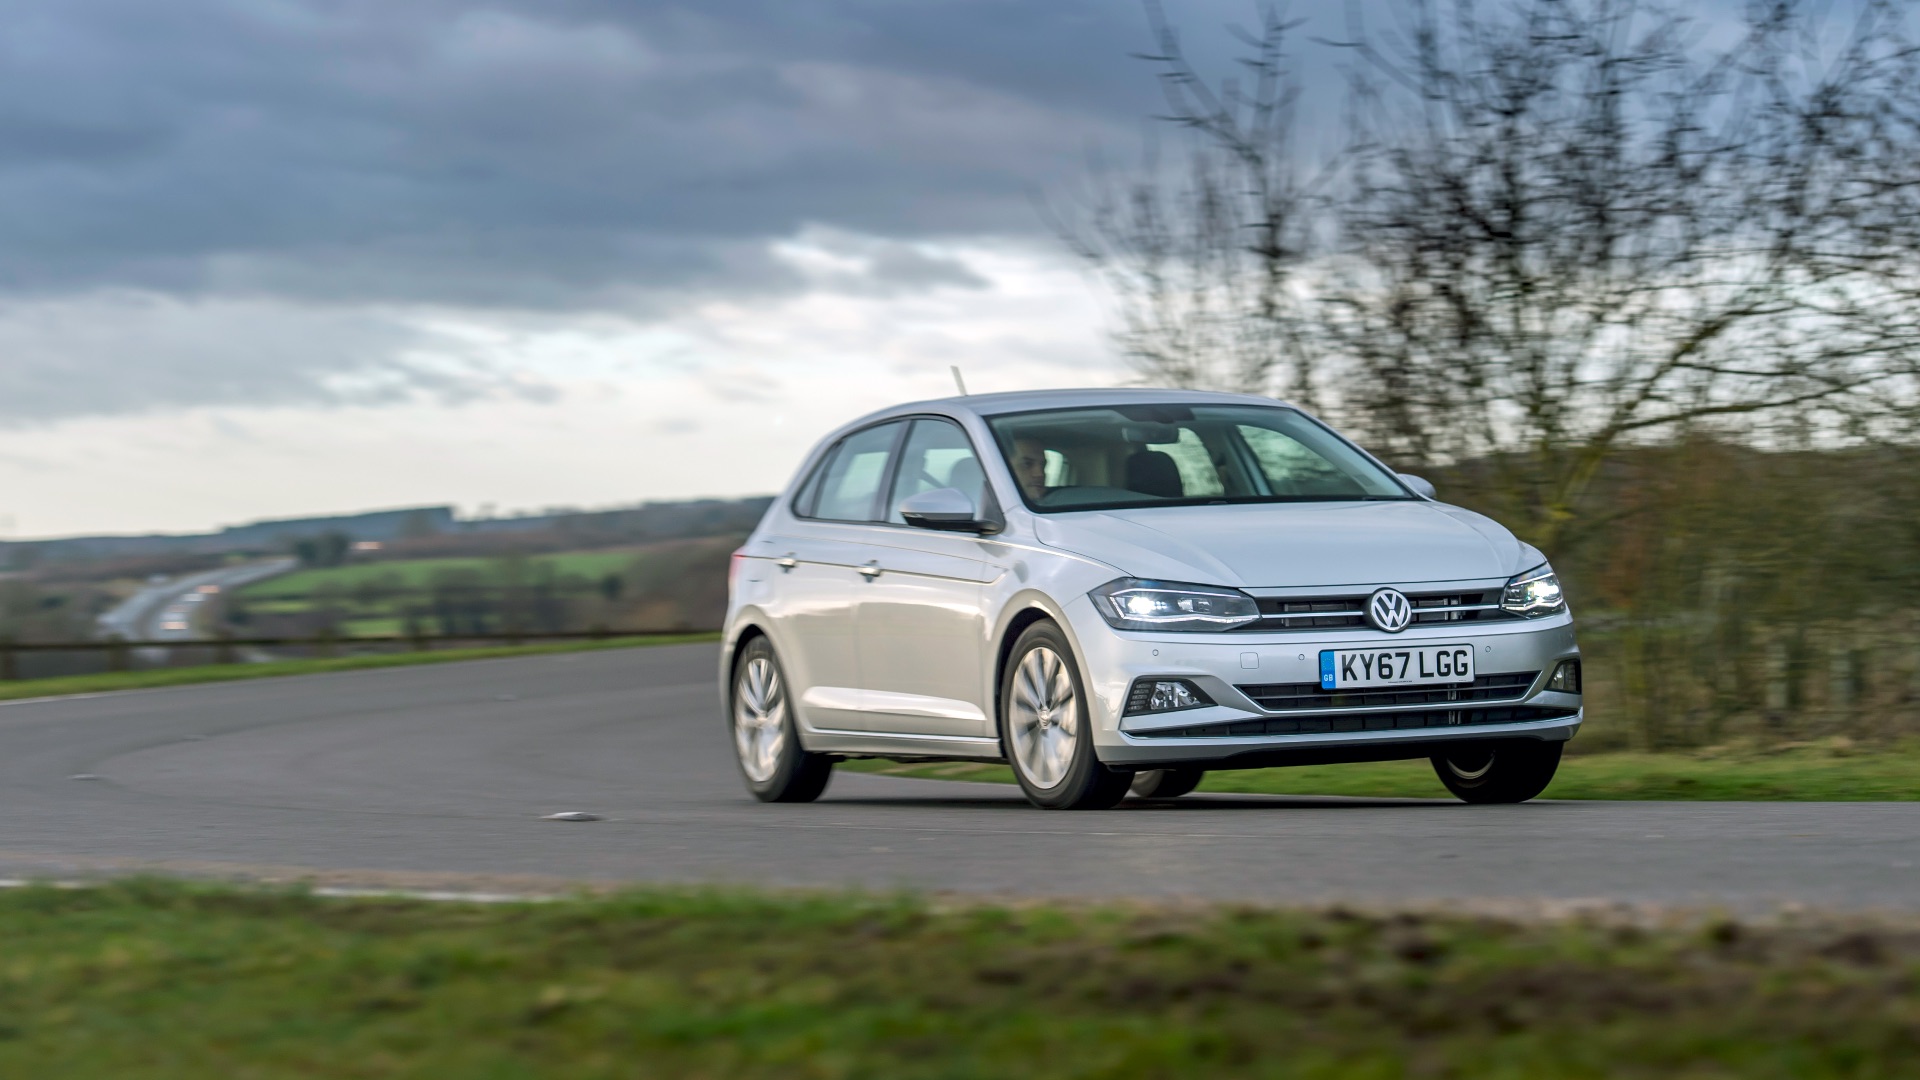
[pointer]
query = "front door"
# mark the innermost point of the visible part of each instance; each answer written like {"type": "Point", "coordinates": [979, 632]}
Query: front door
{"type": "Point", "coordinates": [922, 631]}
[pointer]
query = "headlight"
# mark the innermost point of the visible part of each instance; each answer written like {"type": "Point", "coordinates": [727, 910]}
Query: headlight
{"type": "Point", "coordinates": [1536, 592]}
{"type": "Point", "coordinates": [1132, 604]}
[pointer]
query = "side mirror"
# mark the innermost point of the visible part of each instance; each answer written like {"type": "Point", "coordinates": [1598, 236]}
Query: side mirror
{"type": "Point", "coordinates": [1419, 484]}
{"type": "Point", "coordinates": [944, 510]}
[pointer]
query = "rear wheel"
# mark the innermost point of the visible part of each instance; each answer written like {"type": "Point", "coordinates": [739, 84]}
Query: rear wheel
{"type": "Point", "coordinates": [1166, 783]}
{"type": "Point", "coordinates": [766, 740]}
{"type": "Point", "coordinates": [1045, 728]}
{"type": "Point", "coordinates": [1499, 772]}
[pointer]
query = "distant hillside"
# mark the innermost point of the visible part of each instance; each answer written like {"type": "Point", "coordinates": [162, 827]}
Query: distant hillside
{"type": "Point", "coordinates": [416, 530]}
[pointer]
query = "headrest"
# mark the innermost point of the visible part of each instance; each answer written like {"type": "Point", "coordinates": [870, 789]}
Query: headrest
{"type": "Point", "coordinates": [1153, 472]}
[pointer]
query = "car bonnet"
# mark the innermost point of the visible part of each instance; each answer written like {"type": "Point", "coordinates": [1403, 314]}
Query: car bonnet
{"type": "Point", "coordinates": [1291, 545]}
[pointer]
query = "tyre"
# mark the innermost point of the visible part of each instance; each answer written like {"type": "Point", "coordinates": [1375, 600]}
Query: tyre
{"type": "Point", "coordinates": [1499, 772]}
{"type": "Point", "coordinates": [1166, 783]}
{"type": "Point", "coordinates": [1045, 729]}
{"type": "Point", "coordinates": [766, 740]}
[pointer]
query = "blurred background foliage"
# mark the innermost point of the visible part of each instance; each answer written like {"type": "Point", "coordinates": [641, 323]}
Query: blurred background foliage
{"type": "Point", "coordinates": [1729, 594]}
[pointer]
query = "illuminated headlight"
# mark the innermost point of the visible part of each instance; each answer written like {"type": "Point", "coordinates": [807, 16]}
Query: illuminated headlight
{"type": "Point", "coordinates": [1536, 592]}
{"type": "Point", "coordinates": [1132, 604]}
{"type": "Point", "coordinates": [1164, 695]}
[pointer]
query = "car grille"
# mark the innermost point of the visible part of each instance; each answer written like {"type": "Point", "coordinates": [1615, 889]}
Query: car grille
{"type": "Point", "coordinates": [1298, 697]}
{"type": "Point", "coordinates": [1368, 721]}
{"type": "Point", "coordinates": [1350, 612]}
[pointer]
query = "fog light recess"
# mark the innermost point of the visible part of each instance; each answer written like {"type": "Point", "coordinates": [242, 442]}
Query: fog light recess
{"type": "Point", "coordinates": [1566, 677]}
{"type": "Point", "coordinates": [1164, 695]}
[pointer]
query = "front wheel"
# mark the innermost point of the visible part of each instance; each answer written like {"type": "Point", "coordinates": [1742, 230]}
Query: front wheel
{"type": "Point", "coordinates": [766, 741]}
{"type": "Point", "coordinates": [1498, 772]}
{"type": "Point", "coordinates": [1046, 730]}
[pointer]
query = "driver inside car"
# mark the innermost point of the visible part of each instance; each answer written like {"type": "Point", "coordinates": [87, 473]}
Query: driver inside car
{"type": "Point", "coordinates": [1030, 467]}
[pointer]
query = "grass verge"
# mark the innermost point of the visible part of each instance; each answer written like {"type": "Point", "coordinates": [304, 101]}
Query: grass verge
{"type": "Point", "coordinates": [1832, 772]}
{"type": "Point", "coordinates": [212, 673]}
{"type": "Point", "coordinates": [156, 979]}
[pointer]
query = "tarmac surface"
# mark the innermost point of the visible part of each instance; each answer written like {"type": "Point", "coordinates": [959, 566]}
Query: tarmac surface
{"type": "Point", "coordinates": [439, 777]}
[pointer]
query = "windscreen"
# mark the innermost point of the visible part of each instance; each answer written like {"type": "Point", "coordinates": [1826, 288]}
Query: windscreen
{"type": "Point", "coordinates": [1113, 456]}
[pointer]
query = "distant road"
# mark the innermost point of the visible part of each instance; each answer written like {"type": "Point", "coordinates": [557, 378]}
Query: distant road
{"type": "Point", "coordinates": [436, 777]}
{"type": "Point", "coordinates": [146, 615]}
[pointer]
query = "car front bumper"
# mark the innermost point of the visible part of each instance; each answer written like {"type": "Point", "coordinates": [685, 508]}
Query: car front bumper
{"type": "Point", "coordinates": [1238, 732]}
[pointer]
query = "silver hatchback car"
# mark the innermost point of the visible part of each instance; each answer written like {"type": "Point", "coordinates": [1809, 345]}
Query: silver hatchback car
{"type": "Point", "coordinates": [1123, 589]}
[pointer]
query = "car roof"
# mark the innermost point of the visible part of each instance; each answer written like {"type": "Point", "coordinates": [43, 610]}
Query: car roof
{"type": "Point", "coordinates": [1030, 400]}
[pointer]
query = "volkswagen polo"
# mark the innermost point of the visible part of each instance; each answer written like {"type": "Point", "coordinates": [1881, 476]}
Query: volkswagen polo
{"type": "Point", "coordinates": [1120, 590]}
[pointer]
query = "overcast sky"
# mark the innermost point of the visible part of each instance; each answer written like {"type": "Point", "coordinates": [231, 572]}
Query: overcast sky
{"type": "Point", "coordinates": [273, 257]}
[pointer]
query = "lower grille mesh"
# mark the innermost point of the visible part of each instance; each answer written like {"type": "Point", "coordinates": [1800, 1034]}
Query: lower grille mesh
{"type": "Point", "coordinates": [1368, 721]}
{"type": "Point", "coordinates": [1288, 697]}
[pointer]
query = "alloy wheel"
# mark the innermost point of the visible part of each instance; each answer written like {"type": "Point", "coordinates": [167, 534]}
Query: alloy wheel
{"type": "Point", "coordinates": [759, 718]}
{"type": "Point", "coordinates": [1045, 717]}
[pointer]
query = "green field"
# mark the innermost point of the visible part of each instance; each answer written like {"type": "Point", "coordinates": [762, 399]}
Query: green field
{"type": "Point", "coordinates": [154, 979]}
{"type": "Point", "coordinates": [211, 673]}
{"type": "Point", "coordinates": [1836, 771]}
{"type": "Point", "coordinates": [419, 573]}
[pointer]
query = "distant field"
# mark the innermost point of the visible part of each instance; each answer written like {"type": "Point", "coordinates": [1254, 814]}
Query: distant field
{"type": "Point", "coordinates": [673, 583]}
{"type": "Point", "coordinates": [419, 573]}
{"type": "Point", "coordinates": [1825, 773]}
{"type": "Point", "coordinates": [162, 980]}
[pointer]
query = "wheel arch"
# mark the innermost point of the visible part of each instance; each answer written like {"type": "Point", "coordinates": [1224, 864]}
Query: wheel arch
{"type": "Point", "coordinates": [1024, 613]}
{"type": "Point", "coordinates": [746, 630]}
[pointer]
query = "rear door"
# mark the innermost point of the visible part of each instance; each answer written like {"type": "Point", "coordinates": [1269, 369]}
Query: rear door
{"type": "Point", "coordinates": [822, 558]}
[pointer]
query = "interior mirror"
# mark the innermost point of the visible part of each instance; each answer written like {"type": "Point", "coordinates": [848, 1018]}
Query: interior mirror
{"type": "Point", "coordinates": [1419, 484]}
{"type": "Point", "coordinates": [945, 509]}
{"type": "Point", "coordinates": [1150, 433]}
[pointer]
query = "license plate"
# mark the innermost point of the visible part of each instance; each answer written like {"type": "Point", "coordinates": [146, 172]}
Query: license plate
{"type": "Point", "coordinates": [1342, 669]}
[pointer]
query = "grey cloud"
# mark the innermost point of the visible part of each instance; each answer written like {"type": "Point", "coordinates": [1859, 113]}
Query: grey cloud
{"type": "Point", "coordinates": [831, 260]}
{"type": "Point", "coordinates": [529, 153]}
{"type": "Point", "coordinates": [130, 353]}
{"type": "Point", "coordinates": [209, 201]}
{"type": "Point", "coordinates": [547, 153]}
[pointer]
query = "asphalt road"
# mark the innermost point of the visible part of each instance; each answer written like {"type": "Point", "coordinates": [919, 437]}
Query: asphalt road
{"type": "Point", "coordinates": [437, 777]}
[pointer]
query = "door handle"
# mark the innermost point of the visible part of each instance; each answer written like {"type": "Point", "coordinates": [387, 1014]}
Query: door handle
{"type": "Point", "coordinates": [871, 570]}
{"type": "Point", "coordinates": [787, 561]}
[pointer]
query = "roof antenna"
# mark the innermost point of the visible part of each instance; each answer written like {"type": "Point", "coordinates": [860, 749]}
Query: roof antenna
{"type": "Point", "coordinates": [957, 380]}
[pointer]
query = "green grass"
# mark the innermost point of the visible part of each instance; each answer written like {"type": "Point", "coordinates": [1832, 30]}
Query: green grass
{"type": "Point", "coordinates": [1837, 771]}
{"type": "Point", "coordinates": [419, 573]}
{"type": "Point", "coordinates": [374, 627]}
{"type": "Point", "coordinates": [161, 980]}
{"type": "Point", "coordinates": [212, 673]}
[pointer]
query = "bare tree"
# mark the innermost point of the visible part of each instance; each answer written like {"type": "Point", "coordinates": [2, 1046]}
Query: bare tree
{"type": "Point", "coordinates": [1204, 257]}
{"type": "Point", "coordinates": [1574, 224]}
{"type": "Point", "coordinates": [1562, 227]}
